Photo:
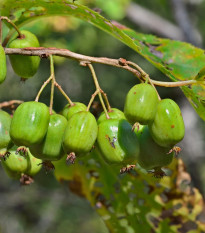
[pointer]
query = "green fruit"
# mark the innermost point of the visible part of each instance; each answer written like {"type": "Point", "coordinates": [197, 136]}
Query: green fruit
{"type": "Point", "coordinates": [141, 104]}
{"type": "Point", "coordinates": [152, 156]}
{"type": "Point", "coordinates": [167, 128]}
{"type": "Point", "coordinates": [113, 114]}
{"type": "Point", "coordinates": [24, 66]}
{"type": "Point", "coordinates": [80, 133]}
{"type": "Point", "coordinates": [5, 140]}
{"type": "Point", "coordinates": [69, 110]}
{"type": "Point", "coordinates": [117, 142]}
{"type": "Point", "coordinates": [29, 124]}
{"type": "Point", "coordinates": [16, 164]}
{"type": "Point", "coordinates": [3, 68]}
{"type": "Point", "coordinates": [35, 164]}
{"type": "Point", "coordinates": [51, 146]}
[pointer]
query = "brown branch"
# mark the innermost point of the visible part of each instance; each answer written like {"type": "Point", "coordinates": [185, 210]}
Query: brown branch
{"type": "Point", "coordinates": [8, 104]}
{"type": "Point", "coordinates": [45, 52]}
{"type": "Point", "coordinates": [84, 60]}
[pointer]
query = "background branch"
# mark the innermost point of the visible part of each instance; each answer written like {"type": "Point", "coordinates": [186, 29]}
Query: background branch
{"type": "Point", "coordinates": [154, 23]}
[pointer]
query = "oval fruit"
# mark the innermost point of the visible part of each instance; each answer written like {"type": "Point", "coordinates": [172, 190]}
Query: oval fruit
{"type": "Point", "coordinates": [30, 123]}
{"type": "Point", "coordinates": [3, 68]}
{"type": "Point", "coordinates": [152, 156]}
{"type": "Point", "coordinates": [35, 165]}
{"type": "Point", "coordinates": [117, 142]}
{"type": "Point", "coordinates": [113, 114]}
{"type": "Point", "coordinates": [15, 164]}
{"type": "Point", "coordinates": [51, 146]}
{"type": "Point", "coordinates": [167, 128]}
{"type": "Point", "coordinates": [80, 133]}
{"type": "Point", "coordinates": [69, 110]}
{"type": "Point", "coordinates": [141, 104]}
{"type": "Point", "coordinates": [5, 140]}
{"type": "Point", "coordinates": [24, 66]}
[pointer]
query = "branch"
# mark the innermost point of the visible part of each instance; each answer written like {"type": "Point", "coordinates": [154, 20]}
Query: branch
{"type": "Point", "coordinates": [84, 60]}
{"type": "Point", "coordinates": [148, 20]}
{"type": "Point", "coordinates": [10, 104]}
{"type": "Point", "coordinates": [182, 17]}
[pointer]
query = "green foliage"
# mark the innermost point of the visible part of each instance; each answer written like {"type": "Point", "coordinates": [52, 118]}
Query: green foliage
{"type": "Point", "coordinates": [135, 202]}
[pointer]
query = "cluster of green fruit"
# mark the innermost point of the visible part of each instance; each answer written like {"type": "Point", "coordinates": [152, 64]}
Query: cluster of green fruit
{"type": "Point", "coordinates": [76, 132]}
{"type": "Point", "coordinates": [145, 133]}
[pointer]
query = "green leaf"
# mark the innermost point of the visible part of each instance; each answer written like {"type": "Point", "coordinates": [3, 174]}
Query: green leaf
{"type": "Point", "coordinates": [135, 202]}
{"type": "Point", "coordinates": [177, 60]}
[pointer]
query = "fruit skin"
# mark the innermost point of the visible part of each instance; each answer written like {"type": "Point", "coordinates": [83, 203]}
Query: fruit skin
{"type": "Point", "coordinates": [167, 128]}
{"type": "Point", "coordinates": [16, 164]}
{"type": "Point", "coordinates": [152, 156]}
{"type": "Point", "coordinates": [113, 114]}
{"type": "Point", "coordinates": [80, 133]}
{"type": "Point", "coordinates": [35, 164]}
{"type": "Point", "coordinates": [3, 68]}
{"type": "Point", "coordinates": [51, 146]}
{"type": "Point", "coordinates": [117, 142]}
{"type": "Point", "coordinates": [69, 110]}
{"type": "Point", "coordinates": [141, 104]}
{"type": "Point", "coordinates": [29, 124]}
{"type": "Point", "coordinates": [5, 140]}
{"type": "Point", "coordinates": [24, 66]}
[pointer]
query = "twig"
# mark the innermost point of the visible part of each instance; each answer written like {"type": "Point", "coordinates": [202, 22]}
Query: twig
{"type": "Point", "coordinates": [45, 52]}
{"type": "Point", "coordinates": [7, 104]}
{"type": "Point", "coordinates": [98, 89]}
{"type": "Point", "coordinates": [13, 25]}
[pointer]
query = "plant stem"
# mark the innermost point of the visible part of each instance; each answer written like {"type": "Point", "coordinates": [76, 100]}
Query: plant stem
{"type": "Point", "coordinates": [45, 52]}
{"type": "Point", "coordinates": [98, 89]}
{"type": "Point", "coordinates": [64, 94]}
{"type": "Point", "coordinates": [42, 88]}
{"type": "Point", "coordinates": [10, 103]}
{"type": "Point", "coordinates": [106, 100]}
{"type": "Point", "coordinates": [52, 83]}
{"type": "Point", "coordinates": [145, 75]}
{"type": "Point", "coordinates": [91, 100]}
{"type": "Point", "coordinates": [16, 28]}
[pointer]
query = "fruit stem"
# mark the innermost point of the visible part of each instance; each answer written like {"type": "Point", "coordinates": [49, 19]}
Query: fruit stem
{"type": "Point", "coordinates": [106, 100]}
{"type": "Point", "coordinates": [42, 88]}
{"type": "Point", "coordinates": [64, 94]}
{"type": "Point", "coordinates": [144, 75]}
{"type": "Point", "coordinates": [13, 25]}
{"type": "Point", "coordinates": [98, 89]}
{"type": "Point", "coordinates": [52, 83]}
{"type": "Point", "coordinates": [91, 100]}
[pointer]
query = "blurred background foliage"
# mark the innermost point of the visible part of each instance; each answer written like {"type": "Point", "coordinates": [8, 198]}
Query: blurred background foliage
{"type": "Point", "coordinates": [31, 209]}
